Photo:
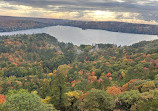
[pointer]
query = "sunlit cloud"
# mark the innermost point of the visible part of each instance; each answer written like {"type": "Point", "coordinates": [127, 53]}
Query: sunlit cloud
{"type": "Point", "coordinates": [137, 11]}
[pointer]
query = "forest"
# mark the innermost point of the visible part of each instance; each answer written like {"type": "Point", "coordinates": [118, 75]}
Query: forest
{"type": "Point", "coordinates": [116, 27]}
{"type": "Point", "coordinates": [8, 24]}
{"type": "Point", "coordinates": [39, 73]}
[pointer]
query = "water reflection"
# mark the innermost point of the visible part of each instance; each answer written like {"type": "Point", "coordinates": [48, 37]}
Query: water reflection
{"type": "Point", "coordinates": [90, 36]}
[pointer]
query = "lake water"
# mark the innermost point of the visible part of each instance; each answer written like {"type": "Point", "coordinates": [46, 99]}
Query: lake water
{"type": "Point", "coordinates": [78, 36]}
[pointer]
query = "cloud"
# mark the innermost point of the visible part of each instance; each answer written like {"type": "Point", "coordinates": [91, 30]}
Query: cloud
{"type": "Point", "coordinates": [123, 9]}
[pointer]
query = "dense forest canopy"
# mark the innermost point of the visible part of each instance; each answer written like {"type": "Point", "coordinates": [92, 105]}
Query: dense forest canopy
{"type": "Point", "coordinates": [61, 76]}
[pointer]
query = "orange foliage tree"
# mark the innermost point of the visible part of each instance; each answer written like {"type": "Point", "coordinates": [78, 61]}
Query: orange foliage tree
{"type": "Point", "coordinates": [2, 99]}
{"type": "Point", "coordinates": [125, 86]}
{"type": "Point", "coordinates": [114, 90]}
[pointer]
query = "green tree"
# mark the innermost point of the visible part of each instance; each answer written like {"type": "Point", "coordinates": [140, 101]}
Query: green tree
{"type": "Point", "coordinates": [22, 100]}
{"type": "Point", "coordinates": [45, 88]}
{"type": "Point", "coordinates": [127, 99]}
{"type": "Point", "coordinates": [96, 100]}
{"type": "Point", "coordinates": [60, 87]}
{"type": "Point", "coordinates": [105, 83]}
{"type": "Point", "coordinates": [151, 105]}
{"type": "Point", "coordinates": [147, 102]}
{"type": "Point", "coordinates": [84, 85]}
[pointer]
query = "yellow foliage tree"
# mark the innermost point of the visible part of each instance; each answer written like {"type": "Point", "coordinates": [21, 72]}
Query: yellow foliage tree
{"type": "Point", "coordinates": [73, 94]}
{"type": "Point", "coordinates": [123, 74]}
{"type": "Point", "coordinates": [148, 86]}
{"type": "Point", "coordinates": [72, 97]}
{"type": "Point", "coordinates": [46, 100]}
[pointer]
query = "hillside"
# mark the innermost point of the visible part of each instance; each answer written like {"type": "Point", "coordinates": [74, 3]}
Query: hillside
{"type": "Point", "coordinates": [99, 77]}
{"type": "Point", "coordinates": [8, 24]}
{"type": "Point", "coordinates": [117, 27]}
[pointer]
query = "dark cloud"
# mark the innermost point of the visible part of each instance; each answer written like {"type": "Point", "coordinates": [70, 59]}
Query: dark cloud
{"type": "Point", "coordinates": [147, 9]}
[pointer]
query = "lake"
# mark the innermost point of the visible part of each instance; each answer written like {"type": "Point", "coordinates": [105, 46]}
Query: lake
{"type": "Point", "coordinates": [78, 36]}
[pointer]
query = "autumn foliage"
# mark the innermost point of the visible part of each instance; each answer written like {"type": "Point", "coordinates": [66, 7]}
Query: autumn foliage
{"type": "Point", "coordinates": [2, 99]}
{"type": "Point", "coordinates": [125, 86]}
{"type": "Point", "coordinates": [74, 78]}
{"type": "Point", "coordinates": [113, 90]}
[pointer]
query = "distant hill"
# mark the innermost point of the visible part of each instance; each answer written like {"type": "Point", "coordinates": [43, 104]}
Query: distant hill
{"type": "Point", "coordinates": [21, 23]}
{"type": "Point", "coordinates": [8, 24]}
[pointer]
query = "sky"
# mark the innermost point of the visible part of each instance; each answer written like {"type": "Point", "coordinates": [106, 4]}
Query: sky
{"type": "Point", "coordinates": [133, 11]}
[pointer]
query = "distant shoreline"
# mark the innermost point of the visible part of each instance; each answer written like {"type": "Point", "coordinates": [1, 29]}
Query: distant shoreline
{"type": "Point", "coordinates": [10, 24]}
{"type": "Point", "coordinates": [76, 27]}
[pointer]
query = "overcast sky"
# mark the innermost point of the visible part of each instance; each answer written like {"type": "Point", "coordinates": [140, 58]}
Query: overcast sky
{"type": "Point", "coordinates": [139, 11]}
